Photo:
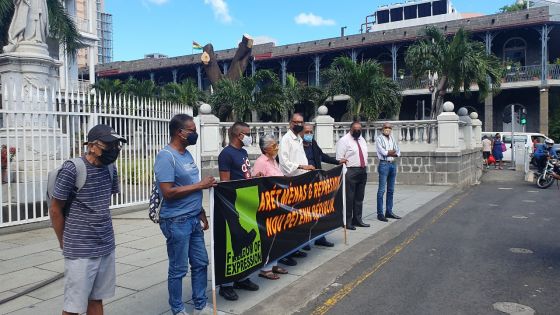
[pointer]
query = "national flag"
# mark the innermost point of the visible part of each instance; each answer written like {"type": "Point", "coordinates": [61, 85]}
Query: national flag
{"type": "Point", "coordinates": [196, 45]}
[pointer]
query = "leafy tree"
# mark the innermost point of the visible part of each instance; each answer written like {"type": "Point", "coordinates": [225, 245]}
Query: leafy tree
{"type": "Point", "coordinates": [371, 93]}
{"type": "Point", "coordinates": [236, 99]}
{"type": "Point", "coordinates": [459, 63]}
{"type": "Point", "coordinates": [517, 6]}
{"type": "Point", "coordinates": [144, 88]}
{"type": "Point", "coordinates": [186, 92]}
{"type": "Point", "coordinates": [108, 86]}
{"type": "Point", "coordinates": [61, 26]}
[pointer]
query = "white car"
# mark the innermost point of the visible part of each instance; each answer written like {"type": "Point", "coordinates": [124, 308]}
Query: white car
{"type": "Point", "coordinates": [522, 139]}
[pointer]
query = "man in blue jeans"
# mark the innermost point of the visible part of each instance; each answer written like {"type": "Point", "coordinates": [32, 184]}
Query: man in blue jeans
{"type": "Point", "coordinates": [387, 151]}
{"type": "Point", "coordinates": [181, 214]}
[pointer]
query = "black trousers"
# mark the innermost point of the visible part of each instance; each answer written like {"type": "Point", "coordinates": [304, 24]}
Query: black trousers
{"type": "Point", "coordinates": [356, 178]}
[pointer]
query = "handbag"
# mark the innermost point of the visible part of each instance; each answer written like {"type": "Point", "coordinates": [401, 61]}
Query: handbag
{"type": "Point", "coordinates": [504, 149]}
{"type": "Point", "coordinates": [491, 160]}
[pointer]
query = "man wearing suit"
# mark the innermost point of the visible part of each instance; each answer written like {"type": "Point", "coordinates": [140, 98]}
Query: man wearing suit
{"type": "Point", "coordinates": [316, 157]}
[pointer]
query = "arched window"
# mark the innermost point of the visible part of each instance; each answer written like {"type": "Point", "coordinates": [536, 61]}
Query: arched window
{"type": "Point", "coordinates": [515, 50]}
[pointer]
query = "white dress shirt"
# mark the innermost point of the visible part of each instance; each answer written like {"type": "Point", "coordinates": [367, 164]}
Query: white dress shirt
{"type": "Point", "coordinates": [347, 148]}
{"type": "Point", "coordinates": [291, 154]}
{"type": "Point", "coordinates": [384, 145]}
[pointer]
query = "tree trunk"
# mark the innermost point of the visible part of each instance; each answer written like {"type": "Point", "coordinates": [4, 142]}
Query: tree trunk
{"type": "Point", "coordinates": [241, 58]}
{"type": "Point", "coordinates": [211, 66]}
{"type": "Point", "coordinates": [439, 95]}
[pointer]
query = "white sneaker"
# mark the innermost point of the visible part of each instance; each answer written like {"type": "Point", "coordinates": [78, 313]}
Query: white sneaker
{"type": "Point", "coordinates": [207, 310]}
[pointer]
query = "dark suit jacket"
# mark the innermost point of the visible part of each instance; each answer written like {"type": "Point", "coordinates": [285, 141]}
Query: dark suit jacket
{"type": "Point", "coordinates": [319, 156]}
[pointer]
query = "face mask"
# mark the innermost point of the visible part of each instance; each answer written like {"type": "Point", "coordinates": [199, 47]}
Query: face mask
{"type": "Point", "coordinates": [191, 138]}
{"type": "Point", "coordinates": [297, 129]}
{"type": "Point", "coordinates": [386, 132]}
{"type": "Point", "coordinates": [308, 137]}
{"type": "Point", "coordinates": [109, 156]}
{"type": "Point", "coordinates": [356, 134]}
{"type": "Point", "coordinates": [247, 140]}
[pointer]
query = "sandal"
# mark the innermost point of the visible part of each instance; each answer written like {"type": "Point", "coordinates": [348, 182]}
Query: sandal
{"type": "Point", "coordinates": [269, 275]}
{"type": "Point", "coordinates": [279, 270]}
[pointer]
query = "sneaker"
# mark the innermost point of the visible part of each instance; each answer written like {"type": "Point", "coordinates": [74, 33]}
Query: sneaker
{"type": "Point", "coordinates": [246, 284]}
{"type": "Point", "coordinates": [207, 310]}
{"type": "Point", "coordinates": [183, 312]}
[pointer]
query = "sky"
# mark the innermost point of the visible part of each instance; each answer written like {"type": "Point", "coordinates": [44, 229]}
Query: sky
{"type": "Point", "coordinates": [170, 26]}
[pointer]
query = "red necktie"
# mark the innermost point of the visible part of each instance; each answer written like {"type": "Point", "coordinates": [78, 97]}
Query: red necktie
{"type": "Point", "coordinates": [362, 160]}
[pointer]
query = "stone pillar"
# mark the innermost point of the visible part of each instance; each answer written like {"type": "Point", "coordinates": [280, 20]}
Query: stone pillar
{"type": "Point", "coordinates": [209, 131]}
{"type": "Point", "coordinates": [152, 77]}
{"type": "Point", "coordinates": [199, 77]}
{"type": "Point", "coordinates": [174, 74]}
{"type": "Point", "coordinates": [92, 51]}
{"type": "Point", "coordinates": [543, 111]}
{"type": "Point", "coordinates": [448, 129]}
{"type": "Point", "coordinates": [467, 127]}
{"type": "Point", "coordinates": [477, 129]}
{"type": "Point", "coordinates": [317, 62]}
{"type": "Point", "coordinates": [284, 71]}
{"type": "Point", "coordinates": [489, 113]}
{"type": "Point", "coordinates": [324, 129]}
{"type": "Point", "coordinates": [225, 66]}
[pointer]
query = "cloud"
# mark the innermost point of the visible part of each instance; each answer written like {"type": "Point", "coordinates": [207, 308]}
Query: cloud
{"type": "Point", "coordinates": [263, 39]}
{"type": "Point", "coordinates": [312, 20]}
{"type": "Point", "coordinates": [221, 11]}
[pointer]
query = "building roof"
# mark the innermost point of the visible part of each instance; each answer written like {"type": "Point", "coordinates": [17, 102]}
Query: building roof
{"type": "Point", "coordinates": [477, 24]}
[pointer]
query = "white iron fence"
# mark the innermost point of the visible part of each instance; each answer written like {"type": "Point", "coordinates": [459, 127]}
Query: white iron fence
{"type": "Point", "coordinates": [41, 128]}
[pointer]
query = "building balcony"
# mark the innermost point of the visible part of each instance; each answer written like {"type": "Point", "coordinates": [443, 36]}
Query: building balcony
{"type": "Point", "coordinates": [513, 77]}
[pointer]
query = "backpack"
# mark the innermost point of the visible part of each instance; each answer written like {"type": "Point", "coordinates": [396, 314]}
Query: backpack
{"type": "Point", "coordinates": [155, 198]}
{"type": "Point", "coordinates": [81, 176]}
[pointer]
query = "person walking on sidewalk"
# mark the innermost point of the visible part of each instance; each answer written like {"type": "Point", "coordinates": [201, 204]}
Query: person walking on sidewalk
{"type": "Point", "coordinates": [266, 165]}
{"type": "Point", "coordinates": [486, 150]}
{"type": "Point", "coordinates": [86, 233]}
{"type": "Point", "coordinates": [181, 214]}
{"type": "Point", "coordinates": [316, 157]}
{"type": "Point", "coordinates": [293, 162]}
{"type": "Point", "coordinates": [387, 151]}
{"type": "Point", "coordinates": [353, 148]}
{"type": "Point", "coordinates": [498, 149]}
{"type": "Point", "coordinates": [234, 164]}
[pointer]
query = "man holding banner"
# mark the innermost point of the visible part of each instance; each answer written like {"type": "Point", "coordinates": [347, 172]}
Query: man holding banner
{"type": "Point", "coordinates": [234, 164]}
{"type": "Point", "coordinates": [353, 148]}
{"type": "Point", "coordinates": [181, 213]}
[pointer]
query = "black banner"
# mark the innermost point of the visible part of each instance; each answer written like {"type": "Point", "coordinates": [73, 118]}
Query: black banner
{"type": "Point", "coordinates": [260, 220]}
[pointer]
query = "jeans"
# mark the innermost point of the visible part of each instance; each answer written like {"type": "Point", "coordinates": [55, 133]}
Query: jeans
{"type": "Point", "coordinates": [387, 174]}
{"type": "Point", "coordinates": [185, 243]}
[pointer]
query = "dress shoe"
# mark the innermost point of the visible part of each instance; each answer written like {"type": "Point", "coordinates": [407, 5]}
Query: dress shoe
{"type": "Point", "coordinates": [381, 217]}
{"type": "Point", "coordinates": [288, 261]}
{"type": "Point", "coordinates": [246, 284]}
{"type": "Point", "coordinates": [299, 254]}
{"type": "Point", "coordinates": [323, 242]}
{"type": "Point", "coordinates": [361, 224]}
{"type": "Point", "coordinates": [306, 247]}
{"type": "Point", "coordinates": [228, 293]}
{"type": "Point", "coordinates": [350, 227]}
{"type": "Point", "coordinates": [392, 216]}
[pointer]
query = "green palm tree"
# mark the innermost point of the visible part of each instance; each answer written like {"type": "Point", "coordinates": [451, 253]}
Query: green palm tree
{"type": "Point", "coordinates": [236, 99]}
{"type": "Point", "coordinates": [143, 89]}
{"type": "Point", "coordinates": [370, 92]}
{"type": "Point", "coordinates": [108, 86]}
{"type": "Point", "coordinates": [459, 63]}
{"type": "Point", "coordinates": [296, 93]}
{"type": "Point", "coordinates": [61, 26]}
{"type": "Point", "coordinates": [186, 92]}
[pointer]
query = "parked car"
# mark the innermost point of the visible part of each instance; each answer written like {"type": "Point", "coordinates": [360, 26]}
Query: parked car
{"type": "Point", "coordinates": [527, 138]}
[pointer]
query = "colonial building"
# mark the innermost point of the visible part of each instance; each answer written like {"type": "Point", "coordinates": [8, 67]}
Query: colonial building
{"type": "Point", "coordinates": [527, 41]}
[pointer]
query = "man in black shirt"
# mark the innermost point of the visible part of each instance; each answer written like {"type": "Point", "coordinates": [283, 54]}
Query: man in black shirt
{"type": "Point", "coordinates": [316, 157]}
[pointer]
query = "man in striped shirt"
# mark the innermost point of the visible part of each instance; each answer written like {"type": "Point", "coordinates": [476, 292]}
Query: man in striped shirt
{"type": "Point", "coordinates": [86, 234]}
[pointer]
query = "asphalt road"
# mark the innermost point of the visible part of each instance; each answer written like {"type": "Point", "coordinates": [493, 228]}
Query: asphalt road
{"type": "Point", "coordinates": [498, 242]}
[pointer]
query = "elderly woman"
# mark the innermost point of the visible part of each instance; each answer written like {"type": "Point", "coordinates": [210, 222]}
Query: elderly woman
{"type": "Point", "coordinates": [266, 165]}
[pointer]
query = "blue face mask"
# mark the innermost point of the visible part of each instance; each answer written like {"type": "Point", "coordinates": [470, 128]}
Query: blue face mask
{"type": "Point", "coordinates": [308, 137]}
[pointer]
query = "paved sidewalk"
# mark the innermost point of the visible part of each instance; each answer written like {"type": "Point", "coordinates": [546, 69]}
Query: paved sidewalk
{"type": "Point", "coordinates": [27, 258]}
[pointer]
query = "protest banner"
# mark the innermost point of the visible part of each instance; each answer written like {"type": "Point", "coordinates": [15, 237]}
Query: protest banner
{"type": "Point", "coordinates": [260, 220]}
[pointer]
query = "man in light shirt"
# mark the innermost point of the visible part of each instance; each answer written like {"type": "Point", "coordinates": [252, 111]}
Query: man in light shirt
{"type": "Point", "coordinates": [353, 148]}
{"type": "Point", "coordinates": [486, 150]}
{"type": "Point", "coordinates": [387, 151]}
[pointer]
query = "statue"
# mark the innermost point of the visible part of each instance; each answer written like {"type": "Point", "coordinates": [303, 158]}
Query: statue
{"type": "Point", "coordinates": [29, 24]}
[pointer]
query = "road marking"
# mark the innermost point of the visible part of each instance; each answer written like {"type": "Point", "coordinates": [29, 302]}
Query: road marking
{"type": "Point", "coordinates": [529, 201]}
{"type": "Point", "coordinates": [348, 288]}
{"type": "Point", "coordinates": [520, 217]}
{"type": "Point", "coordinates": [513, 308]}
{"type": "Point", "coordinates": [532, 191]}
{"type": "Point", "coordinates": [493, 205]}
{"type": "Point", "coordinates": [520, 251]}
{"type": "Point", "coordinates": [505, 188]}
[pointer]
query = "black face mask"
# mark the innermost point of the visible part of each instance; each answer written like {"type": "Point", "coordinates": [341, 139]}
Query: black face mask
{"type": "Point", "coordinates": [356, 134]}
{"type": "Point", "coordinates": [109, 156]}
{"type": "Point", "coordinates": [192, 138]}
{"type": "Point", "coordinates": [297, 129]}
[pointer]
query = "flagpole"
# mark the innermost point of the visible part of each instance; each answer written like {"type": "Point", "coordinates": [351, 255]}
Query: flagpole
{"type": "Point", "coordinates": [344, 202]}
{"type": "Point", "coordinates": [212, 261]}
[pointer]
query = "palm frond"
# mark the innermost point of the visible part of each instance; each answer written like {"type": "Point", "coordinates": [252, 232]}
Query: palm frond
{"type": "Point", "coordinates": [62, 27]}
